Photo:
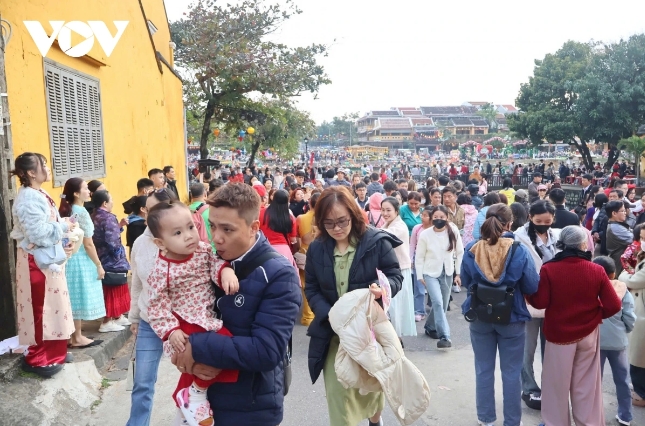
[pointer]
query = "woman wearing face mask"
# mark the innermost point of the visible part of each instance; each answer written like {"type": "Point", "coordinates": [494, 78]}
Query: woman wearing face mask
{"type": "Point", "coordinates": [402, 308]}
{"type": "Point", "coordinates": [438, 256]}
{"type": "Point", "coordinates": [540, 239]}
{"type": "Point", "coordinates": [374, 216]}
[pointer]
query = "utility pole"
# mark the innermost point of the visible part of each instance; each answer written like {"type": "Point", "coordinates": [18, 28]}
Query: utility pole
{"type": "Point", "coordinates": [7, 249]}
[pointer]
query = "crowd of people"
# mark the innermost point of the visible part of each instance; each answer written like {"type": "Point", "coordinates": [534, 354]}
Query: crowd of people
{"type": "Point", "coordinates": [536, 271]}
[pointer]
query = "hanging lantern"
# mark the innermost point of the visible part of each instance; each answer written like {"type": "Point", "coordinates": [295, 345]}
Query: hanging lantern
{"type": "Point", "coordinates": [240, 138]}
{"type": "Point", "coordinates": [216, 132]}
{"type": "Point", "coordinates": [250, 130]}
{"type": "Point", "coordinates": [242, 133]}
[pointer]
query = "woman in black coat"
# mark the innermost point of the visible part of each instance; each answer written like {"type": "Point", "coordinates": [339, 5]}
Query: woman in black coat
{"type": "Point", "coordinates": [349, 251]}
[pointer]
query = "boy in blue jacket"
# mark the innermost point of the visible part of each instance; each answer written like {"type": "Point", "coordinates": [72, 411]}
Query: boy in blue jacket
{"type": "Point", "coordinates": [613, 341]}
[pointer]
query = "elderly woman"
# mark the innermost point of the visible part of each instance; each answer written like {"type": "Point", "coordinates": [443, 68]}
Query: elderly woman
{"type": "Point", "coordinates": [37, 225]}
{"type": "Point", "coordinates": [344, 257]}
{"type": "Point", "coordinates": [577, 296]}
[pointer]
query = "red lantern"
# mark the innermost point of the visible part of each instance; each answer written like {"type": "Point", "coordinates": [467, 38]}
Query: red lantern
{"type": "Point", "coordinates": [240, 138]}
{"type": "Point", "coordinates": [216, 132]}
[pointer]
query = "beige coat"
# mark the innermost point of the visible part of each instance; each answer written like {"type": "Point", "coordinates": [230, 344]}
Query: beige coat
{"type": "Point", "coordinates": [376, 365]}
{"type": "Point", "coordinates": [636, 285]}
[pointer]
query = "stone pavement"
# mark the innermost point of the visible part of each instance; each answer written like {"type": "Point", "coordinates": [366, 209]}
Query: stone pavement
{"type": "Point", "coordinates": [450, 374]}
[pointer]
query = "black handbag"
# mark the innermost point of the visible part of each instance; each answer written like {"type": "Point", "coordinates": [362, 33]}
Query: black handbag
{"type": "Point", "coordinates": [241, 274]}
{"type": "Point", "coordinates": [489, 303]}
{"type": "Point", "coordinates": [115, 278]}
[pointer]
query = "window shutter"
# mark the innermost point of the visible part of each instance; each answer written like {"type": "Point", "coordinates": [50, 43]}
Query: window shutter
{"type": "Point", "coordinates": [74, 116]}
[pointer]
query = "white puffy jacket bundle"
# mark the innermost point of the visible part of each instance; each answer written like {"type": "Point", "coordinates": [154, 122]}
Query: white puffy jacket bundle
{"type": "Point", "coordinates": [375, 362]}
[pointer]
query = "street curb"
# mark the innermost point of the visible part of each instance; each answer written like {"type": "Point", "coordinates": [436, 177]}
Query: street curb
{"type": "Point", "coordinates": [9, 367]}
{"type": "Point", "coordinates": [102, 354]}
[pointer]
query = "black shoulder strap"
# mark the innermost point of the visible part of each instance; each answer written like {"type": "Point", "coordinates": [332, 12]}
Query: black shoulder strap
{"type": "Point", "coordinates": [253, 264]}
{"type": "Point", "coordinates": [515, 245]}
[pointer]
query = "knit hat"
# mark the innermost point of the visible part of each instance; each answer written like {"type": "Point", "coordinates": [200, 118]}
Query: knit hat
{"type": "Point", "coordinates": [541, 187]}
{"type": "Point", "coordinates": [520, 193]}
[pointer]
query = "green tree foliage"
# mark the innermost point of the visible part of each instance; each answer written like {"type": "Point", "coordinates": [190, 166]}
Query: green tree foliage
{"type": "Point", "coordinates": [585, 92]}
{"type": "Point", "coordinates": [225, 48]}
{"type": "Point", "coordinates": [283, 129]}
{"type": "Point", "coordinates": [636, 146]}
{"type": "Point", "coordinates": [548, 100]}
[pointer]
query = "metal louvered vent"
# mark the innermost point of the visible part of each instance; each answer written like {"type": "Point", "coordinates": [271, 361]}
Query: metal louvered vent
{"type": "Point", "coordinates": [75, 124]}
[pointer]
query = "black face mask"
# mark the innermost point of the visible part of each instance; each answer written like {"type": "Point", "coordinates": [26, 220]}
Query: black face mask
{"type": "Point", "coordinates": [541, 229]}
{"type": "Point", "coordinates": [439, 223]}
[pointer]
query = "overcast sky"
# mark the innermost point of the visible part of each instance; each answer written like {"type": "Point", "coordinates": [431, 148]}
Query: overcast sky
{"type": "Point", "coordinates": [411, 53]}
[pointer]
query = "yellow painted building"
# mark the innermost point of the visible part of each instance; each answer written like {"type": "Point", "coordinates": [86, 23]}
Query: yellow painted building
{"type": "Point", "coordinates": [102, 115]}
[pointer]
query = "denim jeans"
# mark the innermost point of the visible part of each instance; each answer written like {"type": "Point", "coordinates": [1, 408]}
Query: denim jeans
{"type": "Point", "coordinates": [419, 296]}
{"type": "Point", "coordinates": [149, 351]}
{"type": "Point", "coordinates": [486, 340]}
{"type": "Point", "coordinates": [439, 297]}
{"type": "Point", "coordinates": [638, 379]}
{"type": "Point", "coordinates": [533, 331]}
{"type": "Point", "coordinates": [620, 371]}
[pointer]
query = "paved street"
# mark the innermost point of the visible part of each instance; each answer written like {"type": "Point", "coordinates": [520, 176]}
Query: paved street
{"type": "Point", "coordinates": [450, 374]}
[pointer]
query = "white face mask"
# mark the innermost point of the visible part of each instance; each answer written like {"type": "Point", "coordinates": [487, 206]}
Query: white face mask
{"type": "Point", "coordinates": [423, 201]}
{"type": "Point", "coordinates": [643, 245]}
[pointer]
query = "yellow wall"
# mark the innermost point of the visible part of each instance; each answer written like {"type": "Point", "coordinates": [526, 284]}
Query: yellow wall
{"type": "Point", "coordinates": [142, 108]}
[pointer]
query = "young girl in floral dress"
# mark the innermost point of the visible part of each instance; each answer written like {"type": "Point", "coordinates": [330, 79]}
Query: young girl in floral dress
{"type": "Point", "coordinates": [182, 298]}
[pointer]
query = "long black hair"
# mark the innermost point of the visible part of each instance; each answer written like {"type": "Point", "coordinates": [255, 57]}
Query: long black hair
{"type": "Point", "coordinates": [452, 238]}
{"type": "Point", "coordinates": [277, 215]}
{"type": "Point", "coordinates": [520, 216]}
{"type": "Point", "coordinates": [538, 207]}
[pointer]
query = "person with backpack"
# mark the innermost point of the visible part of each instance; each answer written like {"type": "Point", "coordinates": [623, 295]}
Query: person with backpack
{"type": "Point", "coordinates": [199, 209]}
{"type": "Point", "coordinates": [498, 272]}
{"type": "Point", "coordinates": [577, 296]}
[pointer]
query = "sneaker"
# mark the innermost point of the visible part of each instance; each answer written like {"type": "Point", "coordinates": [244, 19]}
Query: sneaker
{"type": "Point", "coordinates": [532, 401]}
{"type": "Point", "coordinates": [444, 343]}
{"type": "Point", "coordinates": [621, 421]}
{"type": "Point", "coordinates": [456, 289]}
{"type": "Point", "coordinates": [480, 423]}
{"type": "Point", "coordinates": [123, 321]}
{"type": "Point", "coordinates": [110, 326]}
{"type": "Point", "coordinates": [432, 334]}
{"type": "Point", "coordinates": [195, 407]}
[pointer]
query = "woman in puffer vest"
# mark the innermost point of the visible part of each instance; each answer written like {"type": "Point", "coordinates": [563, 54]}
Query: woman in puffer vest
{"type": "Point", "coordinates": [343, 258]}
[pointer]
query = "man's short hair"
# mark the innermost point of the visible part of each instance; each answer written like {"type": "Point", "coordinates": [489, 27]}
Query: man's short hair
{"type": "Point", "coordinates": [300, 173]}
{"type": "Point", "coordinates": [389, 186]}
{"type": "Point", "coordinates": [167, 169]}
{"type": "Point", "coordinates": [196, 190]}
{"type": "Point", "coordinates": [443, 180]}
{"type": "Point", "coordinates": [374, 176]}
{"type": "Point", "coordinates": [153, 172]}
{"type": "Point", "coordinates": [214, 184]}
{"type": "Point", "coordinates": [587, 176]}
{"type": "Point", "coordinates": [620, 182]}
{"type": "Point", "coordinates": [144, 183]}
{"type": "Point", "coordinates": [557, 195]}
{"type": "Point", "coordinates": [360, 185]}
{"type": "Point", "coordinates": [240, 197]}
{"type": "Point", "coordinates": [450, 189]}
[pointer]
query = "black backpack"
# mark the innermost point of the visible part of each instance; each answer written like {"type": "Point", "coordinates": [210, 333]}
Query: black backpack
{"type": "Point", "coordinates": [489, 303]}
{"type": "Point", "coordinates": [241, 274]}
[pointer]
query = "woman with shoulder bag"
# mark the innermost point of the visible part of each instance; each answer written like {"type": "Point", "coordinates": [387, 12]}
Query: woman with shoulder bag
{"type": "Point", "coordinates": [107, 240]}
{"type": "Point", "coordinates": [344, 258]}
{"type": "Point", "coordinates": [37, 225]}
{"type": "Point", "coordinates": [306, 233]}
{"type": "Point", "coordinates": [497, 268]}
